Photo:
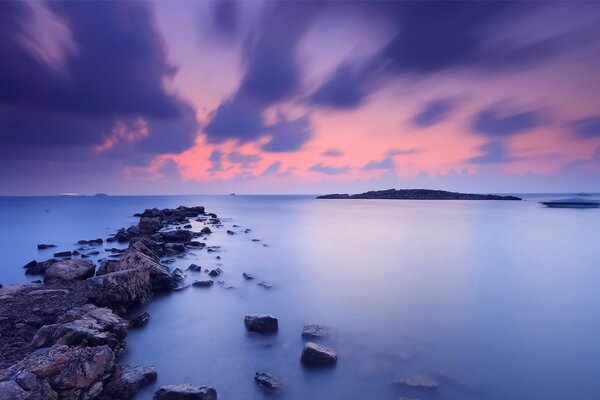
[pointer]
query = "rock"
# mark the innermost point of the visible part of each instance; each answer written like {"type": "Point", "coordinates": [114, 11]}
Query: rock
{"type": "Point", "coordinates": [174, 248]}
{"type": "Point", "coordinates": [418, 382]}
{"type": "Point", "coordinates": [34, 268]}
{"type": "Point", "coordinates": [266, 285]}
{"type": "Point", "coordinates": [60, 372]}
{"type": "Point", "coordinates": [180, 236]}
{"type": "Point", "coordinates": [44, 246]}
{"type": "Point", "coordinates": [91, 242]}
{"type": "Point", "coordinates": [261, 323]}
{"type": "Point", "coordinates": [178, 274]}
{"type": "Point", "coordinates": [159, 277]}
{"type": "Point", "coordinates": [121, 289]}
{"type": "Point", "coordinates": [92, 253]}
{"type": "Point", "coordinates": [150, 225]}
{"type": "Point", "coordinates": [215, 272]}
{"type": "Point", "coordinates": [63, 254]}
{"type": "Point", "coordinates": [267, 382]}
{"type": "Point", "coordinates": [206, 230]}
{"type": "Point", "coordinates": [195, 243]}
{"type": "Point", "coordinates": [87, 325]}
{"type": "Point", "coordinates": [69, 270]}
{"type": "Point", "coordinates": [126, 381]}
{"type": "Point", "coordinates": [188, 226]}
{"type": "Point", "coordinates": [11, 390]}
{"type": "Point", "coordinates": [248, 276]}
{"type": "Point", "coordinates": [230, 232]}
{"type": "Point", "coordinates": [148, 246]}
{"type": "Point", "coordinates": [206, 283]}
{"type": "Point", "coordinates": [314, 354]}
{"type": "Point", "coordinates": [195, 268]}
{"type": "Point", "coordinates": [139, 320]}
{"type": "Point", "coordinates": [314, 331]}
{"type": "Point", "coordinates": [185, 392]}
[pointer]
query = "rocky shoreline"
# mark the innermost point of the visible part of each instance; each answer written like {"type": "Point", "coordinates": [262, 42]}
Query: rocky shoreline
{"type": "Point", "coordinates": [417, 194]}
{"type": "Point", "coordinates": [61, 337]}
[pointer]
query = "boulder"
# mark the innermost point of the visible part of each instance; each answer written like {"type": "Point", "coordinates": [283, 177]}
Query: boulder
{"type": "Point", "coordinates": [11, 390]}
{"type": "Point", "coordinates": [179, 236]}
{"type": "Point", "coordinates": [178, 274]}
{"type": "Point", "coordinates": [314, 331]}
{"type": "Point", "coordinates": [91, 242]}
{"type": "Point", "coordinates": [216, 272]}
{"type": "Point", "coordinates": [139, 320]}
{"type": "Point", "coordinates": [261, 323]}
{"type": "Point", "coordinates": [267, 382]}
{"type": "Point", "coordinates": [230, 232]}
{"type": "Point", "coordinates": [126, 381]}
{"type": "Point", "coordinates": [121, 289]}
{"type": "Point", "coordinates": [87, 325]}
{"type": "Point", "coordinates": [174, 248]}
{"type": "Point", "coordinates": [185, 392]}
{"type": "Point", "coordinates": [314, 354]}
{"type": "Point", "coordinates": [152, 248]}
{"type": "Point", "coordinates": [206, 230]}
{"type": "Point", "coordinates": [195, 268]}
{"type": "Point", "coordinates": [69, 270]}
{"type": "Point", "coordinates": [63, 372]}
{"type": "Point", "coordinates": [150, 225]}
{"type": "Point", "coordinates": [159, 277]}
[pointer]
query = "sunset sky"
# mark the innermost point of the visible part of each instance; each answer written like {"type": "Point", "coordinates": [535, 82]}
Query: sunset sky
{"type": "Point", "coordinates": [298, 97]}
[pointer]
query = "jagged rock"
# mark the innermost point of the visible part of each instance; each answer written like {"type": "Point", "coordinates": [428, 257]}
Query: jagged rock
{"type": "Point", "coordinates": [150, 225]}
{"type": "Point", "coordinates": [174, 248]}
{"type": "Point", "coordinates": [159, 277]}
{"type": "Point", "coordinates": [11, 390]}
{"type": "Point", "coordinates": [216, 272]}
{"type": "Point", "coordinates": [418, 382]}
{"type": "Point", "coordinates": [185, 392]}
{"type": "Point", "coordinates": [87, 325]}
{"type": "Point", "coordinates": [206, 283]}
{"type": "Point", "coordinates": [140, 320]}
{"type": "Point", "coordinates": [178, 274]}
{"type": "Point", "coordinates": [179, 236]}
{"type": "Point", "coordinates": [248, 276]}
{"type": "Point", "coordinates": [267, 382]}
{"type": "Point", "coordinates": [153, 249]}
{"type": "Point", "coordinates": [314, 331]}
{"type": "Point", "coordinates": [195, 268]}
{"type": "Point", "coordinates": [314, 354]}
{"type": "Point", "coordinates": [69, 270]}
{"type": "Point", "coordinates": [126, 381]}
{"type": "Point", "coordinates": [121, 289]}
{"type": "Point", "coordinates": [64, 372]}
{"type": "Point", "coordinates": [188, 226]}
{"type": "Point", "coordinates": [44, 246]}
{"type": "Point", "coordinates": [262, 323]}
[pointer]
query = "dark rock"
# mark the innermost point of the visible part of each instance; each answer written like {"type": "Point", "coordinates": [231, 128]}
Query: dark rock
{"type": "Point", "coordinates": [314, 331]}
{"type": "Point", "coordinates": [195, 268]}
{"type": "Point", "coordinates": [248, 276]}
{"type": "Point", "coordinates": [126, 381]}
{"type": "Point", "coordinates": [188, 226]}
{"type": "Point", "coordinates": [230, 232]}
{"type": "Point", "coordinates": [111, 239]}
{"type": "Point", "coordinates": [148, 246]}
{"type": "Point", "coordinates": [206, 283]}
{"type": "Point", "coordinates": [261, 323]}
{"type": "Point", "coordinates": [314, 354]}
{"type": "Point", "coordinates": [185, 392]}
{"type": "Point", "coordinates": [256, 240]}
{"type": "Point", "coordinates": [180, 236]}
{"type": "Point", "coordinates": [150, 225]}
{"type": "Point", "coordinates": [266, 285]}
{"type": "Point", "coordinates": [121, 289]}
{"type": "Point", "coordinates": [206, 230]}
{"type": "Point", "coordinates": [93, 253]}
{"type": "Point", "coordinates": [195, 243]}
{"type": "Point", "coordinates": [69, 270]}
{"type": "Point", "coordinates": [36, 268]}
{"type": "Point", "coordinates": [44, 246]}
{"type": "Point", "coordinates": [178, 274]}
{"type": "Point", "coordinates": [139, 320]}
{"type": "Point", "coordinates": [267, 382]}
{"type": "Point", "coordinates": [418, 194]}
{"type": "Point", "coordinates": [174, 248]}
{"type": "Point", "coordinates": [418, 382]}
{"type": "Point", "coordinates": [216, 272]}
{"type": "Point", "coordinates": [75, 252]}
{"type": "Point", "coordinates": [159, 277]}
{"type": "Point", "coordinates": [91, 242]}
{"type": "Point", "coordinates": [63, 254]}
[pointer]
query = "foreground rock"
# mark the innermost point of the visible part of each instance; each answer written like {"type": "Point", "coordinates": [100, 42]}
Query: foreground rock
{"type": "Point", "coordinates": [120, 290]}
{"type": "Point", "coordinates": [261, 323]}
{"type": "Point", "coordinates": [185, 392]}
{"type": "Point", "coordinates": [140, 320]}
{"type": "Point", "coordinates": [126, 381]}
{"type": "Point", "coordinates": [69, 270]}
{"type": "Point", "coordinates": [267, 382]}
{"type": "Point", "coordinates": [59, 372]}
{"type": "Point", "coordinates": [418, 194]}
{"type": "Point", "coordinates": [317, 355]}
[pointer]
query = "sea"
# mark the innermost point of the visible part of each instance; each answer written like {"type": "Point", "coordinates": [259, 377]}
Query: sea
{"type": "Point", "coordinates": [493, 300]}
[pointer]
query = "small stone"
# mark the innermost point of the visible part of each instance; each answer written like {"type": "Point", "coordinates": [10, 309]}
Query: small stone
{"type": "Point", "coordinates": [195, 268]}
{"type": "Point", "coordinates": [262, 323]}
{"type": "Point", "coordinates": [315, 354]}
{"type": "Point", "coordinates": [266, 285]}
{"type": "Point", "coordinates": [185, 392]}
{"type": "Point", "coordinates": [206, 230]}
{"type": "Point", "coordinates": [216, 272]}
{"type": "Point", "coordinates": [206, 283]}
{"type": "Point", "coordinates": [63, 254]}
{"type": "Point", "coordinates": [248, 276]}
{"type": "Point", "coordinates": [140, 320]}
{"type": "Point", "coordinates": [230, 232]}
{"type": "Point", "coordinates": [44, 246]}
{"type": "Point", "coordinates": [267, 382]}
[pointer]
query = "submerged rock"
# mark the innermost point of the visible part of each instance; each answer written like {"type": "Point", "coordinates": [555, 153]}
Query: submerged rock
{"type": "Point", "coordinates": [262, 323]}
{"type": "Point", "coordinates": [418, 382]}
{"type": "Point", "coordinates": [205, 283]}
{"type": "Point", "coordinates": [267, 382]}
{"type": "Point", "coordinates": [63, 254]}
{"type": "Point", "coordinates": [126, 381]}
{"type": "Point", "coordinates": [248, 276]}
{"type": "Point", "coordinates": [44, 246]}
{"type": "Point", "coordinates": [139, 320]}
{"type": "Point", "coordinates": [315, 354]}
{"type": "Point", "coordinates": [266, 285]}
{"type": "Point", "coordinates": [69, 270]}
{"type": "Point", "coordinates": [185, 392]}
{"type": "Point", "coordinates": [216, 272]}
{"type": "Point", "coordinates": [314, 331]}
{"type": "Point", "coordinates": [195, 268]}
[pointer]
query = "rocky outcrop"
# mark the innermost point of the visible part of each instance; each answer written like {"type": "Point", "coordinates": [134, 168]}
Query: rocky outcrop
{"type": "Point", "coordinates": [178, 236]}
{"type": "Point", "coordinates": [261, 323]}
{"type": "Point", "coordinates": [126, 381]}
{"type": "Point", "coordinates": [69, 270]}
{"type": "Point", "coordinates": [418, 194]}
{"type": "Point", "coordinates": [317, 355]}
{"type": "Point", "coordinates": [87, 325]}
{"type": "Point", "coordinates": [120, 290]}
{"type": "Point", "coordinates": [185, 392]}
{"type": "Point", "coordinates": [59, 372]}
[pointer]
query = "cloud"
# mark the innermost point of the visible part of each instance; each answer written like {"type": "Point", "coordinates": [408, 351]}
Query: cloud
{"type": "Point", "coordinates": [328, 169]}
{"type": "Point", "coordinates": [388, 163]}
{"type": "Point", "coordinates": [587, 127]}
{"type": "Point", "coordinates": [216, 160]}
{"type": "Point", "coordinates": [225, 15]}
{"type": "Point", "coordinates": [496, 122]}
{"type": "Point", "coordinates": [596, 156]}
{"type": "Point", "coordinates": [244, 160]}
{"type": "Point", "coordinates": [237, 118]}
{"type": "Point", "coordinates": [493, 152]}
{"type": "Point", "coordinates": [345, 88]}
{"type": "Point", "coordinates": [434, 112]}
{"type": "Point", "coordinates": [332, 153]}
{"type": "Point", "coordinates": [288, 135]}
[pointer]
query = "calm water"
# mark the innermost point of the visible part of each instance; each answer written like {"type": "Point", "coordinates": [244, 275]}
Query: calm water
{"type": "Point", "coordinates": [495, 300]}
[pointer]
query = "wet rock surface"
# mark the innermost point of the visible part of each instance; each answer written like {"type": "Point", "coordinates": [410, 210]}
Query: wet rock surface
{"type": "Point", "coordinates": [315, 331]}
{"type": "Point", "coordinates": [316, 355]}
{"type": "Point", "coordinates": [262, 323]}
{"type": "Point", "coordinates": [185, 392]}
{"type": "Point", "coordinates": [126, 381]}
{"type": "Point", "coordinates": [69, 270]}
{"type": "Point", "coordinates": [268, 382]}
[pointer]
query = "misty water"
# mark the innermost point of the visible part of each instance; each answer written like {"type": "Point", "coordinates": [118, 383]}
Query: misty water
{"type": "Point", "coordinates": [494, 300]}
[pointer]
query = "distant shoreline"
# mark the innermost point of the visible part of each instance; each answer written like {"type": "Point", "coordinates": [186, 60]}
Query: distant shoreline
{"type": "Point", "coordinates": [418, 194]}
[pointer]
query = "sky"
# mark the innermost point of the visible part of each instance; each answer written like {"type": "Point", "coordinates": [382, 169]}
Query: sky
{"type": "Point", "coordinates": [289, 97]}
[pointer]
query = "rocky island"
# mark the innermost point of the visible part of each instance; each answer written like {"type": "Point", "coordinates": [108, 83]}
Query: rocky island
{"type": "Point", "coordinates": [417, 194]}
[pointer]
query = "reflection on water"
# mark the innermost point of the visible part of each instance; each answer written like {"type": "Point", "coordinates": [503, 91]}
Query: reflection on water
{"type": "Point", "coordinates": [494, 300]}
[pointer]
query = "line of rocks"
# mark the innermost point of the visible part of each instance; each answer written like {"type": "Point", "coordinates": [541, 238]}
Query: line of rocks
{"type": "Point", "coordinates": [61, 338]}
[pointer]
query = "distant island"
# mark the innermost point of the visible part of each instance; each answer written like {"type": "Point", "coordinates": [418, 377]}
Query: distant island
{"type": "Point", "coordinates": [418, 194]}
